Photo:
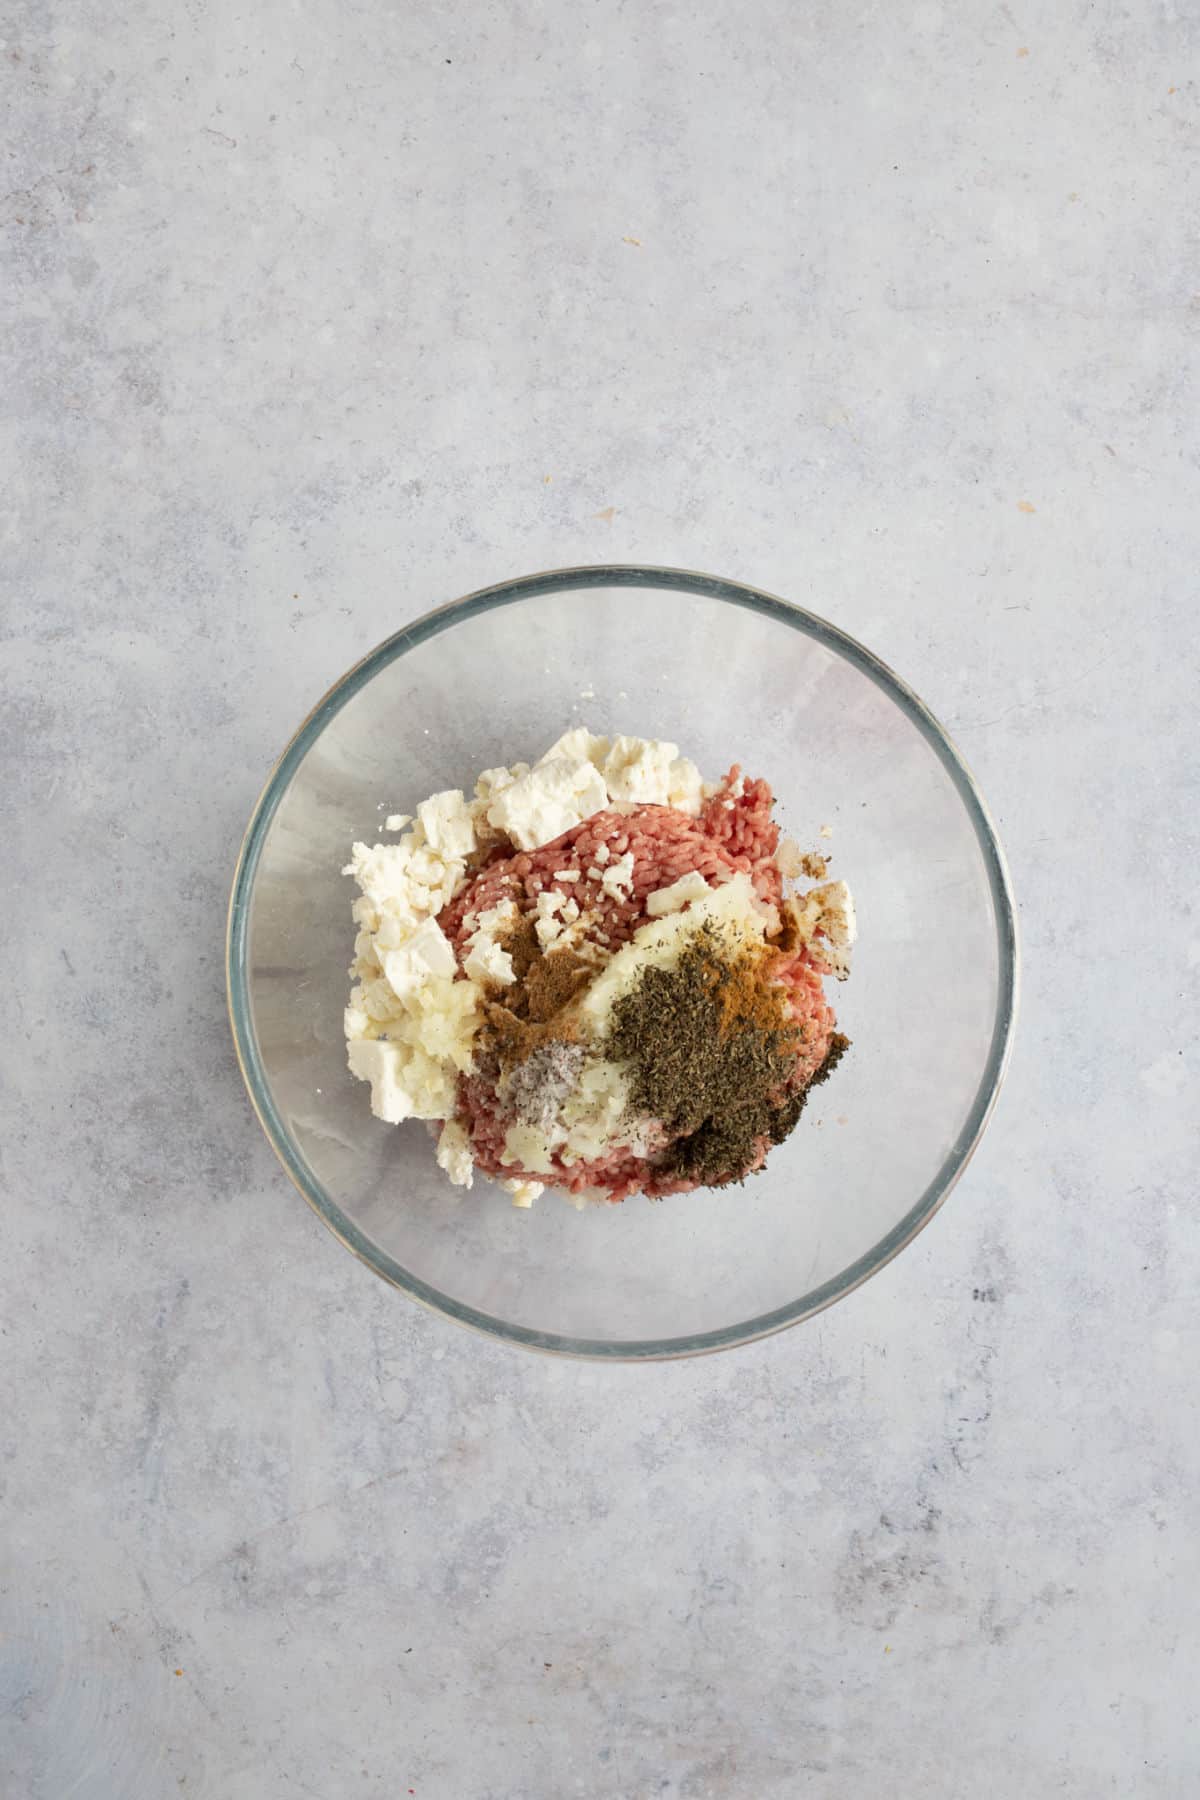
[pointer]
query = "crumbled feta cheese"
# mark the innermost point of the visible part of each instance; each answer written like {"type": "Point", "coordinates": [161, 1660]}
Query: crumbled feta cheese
{"type": "Point", "coordinates": [493, 781]}
{"type": "Point", "coordinates": [540, 805]}
{"type": "Point", "coordinates": [486, 960]}
{"type": "Point", "coordinates": [410, 1025]}
{"type": "Point", "coordinates": [501, 917]}
{"type": "Point", "coordinates": [405, 880]}
{"type": "Point", "coordinates": [454, 1154]}
{"type": "Point", "coordinates": [788, 859]}
{"type": "Point", "coordinates": [448, 825]}
{"type": "Point", "coordinates": [356, 1021]}
{"type": "Point", "coordinates": [426, 951]}
{"type": "Point", "coordinates": [406, 1083]}
{"type": "Point", "coordinates": [547, 926]}
{"type": "Point", "coordinates": [617, 879]}
{"type": "Point", "coordinates": [602, 854]}
{"type": "Point", "coordinates": [828, 912]}
{"type": "Point", "coordinates": [638, 770]}
{"type": "Point", "coordinates": [524, 1193]}
{"type": "Point", "coordinates": [685, 789]}
{"type": "Point", "coordinates": [375, 997]}
{"type": "Point", "coordinates": [691, 886]}
{"type": "Point", "coordinates": [578, 745]}
{"type": "Point", "coordinates": [838, 920]}
{"type": "Point", "coordinates": [397, 821]}
{"type": "Point", "coordinates": [567, 874]}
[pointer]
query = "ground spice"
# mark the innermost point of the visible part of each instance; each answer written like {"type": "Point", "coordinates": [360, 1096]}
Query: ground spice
{"type": "Point", "coordinates": [522, 945]}
{"type": "Point", "coordinates": [553, 981]}
{"type": "Point", "coordinates": [534, 1010]}
{"type": "Point", "coordinates": [514, 1038]}
{"type": "Point", "coordinates": [749, 1001]}
{"type": "Point", "coordinates": [536, 1088]}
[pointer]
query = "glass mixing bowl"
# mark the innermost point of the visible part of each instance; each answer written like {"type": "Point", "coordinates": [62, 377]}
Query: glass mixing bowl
{"type": "Point", "coordinates": [730, 674]}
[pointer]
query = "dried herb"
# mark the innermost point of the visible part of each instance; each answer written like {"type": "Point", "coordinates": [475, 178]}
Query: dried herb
{"type": "Point", "coordinates": [710, 1049]}
{"type": "Point", "coordinates": [513, 1038]}
{"type": "Point", "coordinates": [727, 1149]}
{"type": "Point", "coordinates": [534, 1011]}
{"type": "Point", "coordinates": [838, 1046]}
{"type": "Point", "coordinates": [708, 1035]}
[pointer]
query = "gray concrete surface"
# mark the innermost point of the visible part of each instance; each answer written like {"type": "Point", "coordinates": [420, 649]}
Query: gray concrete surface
{"type": "Point", "coordinates": [313, 317]}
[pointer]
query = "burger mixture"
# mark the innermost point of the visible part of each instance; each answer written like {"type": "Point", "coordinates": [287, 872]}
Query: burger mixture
{"type": "Point", "coordinates": [599, 973]}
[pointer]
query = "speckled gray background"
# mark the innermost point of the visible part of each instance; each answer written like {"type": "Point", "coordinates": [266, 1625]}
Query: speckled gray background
{"type": "Point", "coordinates": [316, 316]}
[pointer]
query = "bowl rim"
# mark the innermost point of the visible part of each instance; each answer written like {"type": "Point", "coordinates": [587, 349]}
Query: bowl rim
{"type": "Point", "coordinates": [581, 579]}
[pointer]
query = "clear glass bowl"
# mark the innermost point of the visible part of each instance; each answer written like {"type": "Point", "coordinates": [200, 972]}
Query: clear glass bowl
{"type": "Point", "coordinates": [730, 674]}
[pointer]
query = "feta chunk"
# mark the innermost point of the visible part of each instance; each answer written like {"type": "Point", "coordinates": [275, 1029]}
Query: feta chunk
{"type": "Point", "coordinates": [442, 1018]}
{"type": "Point", "coordinates": [486, 960]}
{"type": "Point", "coordinates": [448, 824]}
{"type": "Point", "coordinates": [493, 781]}
{"type": "Point", "coordinates": [426, 951]}
{"type": "Point", "coordinates": [638, 770]}
{"type": "Point", "coordinates": [524, 1193]}
{"type": "Point", "coordinates": [405, 880]}
{"type": "Point", "coordinates": [578, 745]}
{"type": "Point", "coordinates": [540, 805]}
{"type": "Point", "coordinates": [789, 859]}
{"type": "Point", "coordinates": [548, 926]}
{"type": "Point", "coordinates": [838, 919]}
{"type": "Point", "coordinates": [685, 788]}
{"type": "Point", "coordinates": [825, 919]}
{"type": "Point", "coordinates": [406, 1083]}
{"type": "Point", "coordinates": [617, 879]}
{"type": "Point", "coordinates": [454, 1154]}
{"type": "Point", "coordinates": [381, 1005]}
{"type": "Point", "coordinates": [498, 918]}
{"type": "Point", "coordinates": [356, 1020]}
